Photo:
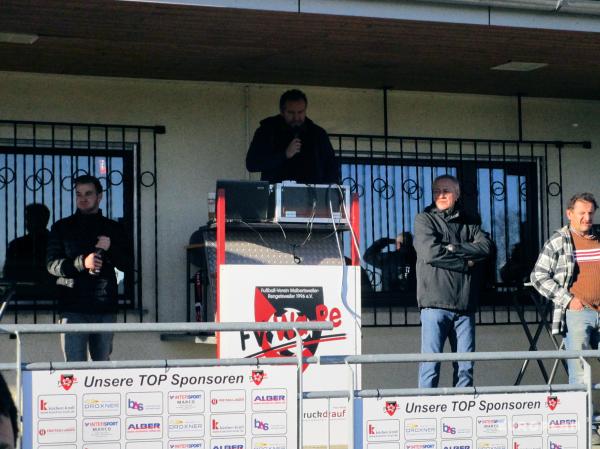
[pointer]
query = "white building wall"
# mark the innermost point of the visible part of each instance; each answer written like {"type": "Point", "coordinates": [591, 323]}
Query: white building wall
{"type": "Point", "coordinates": [208, 126]}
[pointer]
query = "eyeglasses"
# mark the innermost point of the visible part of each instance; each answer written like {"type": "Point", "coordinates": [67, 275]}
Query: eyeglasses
{"type": "Point", "coordinates": [438, 192]}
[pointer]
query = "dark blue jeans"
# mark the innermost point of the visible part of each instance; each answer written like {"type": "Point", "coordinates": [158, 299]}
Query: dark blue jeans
{"type": "Point", "coordinates": [437, 325]}
{"type": "Point", "coordinates": [75, 346]}
{"type": "Point", "coordinates": [583, 332]}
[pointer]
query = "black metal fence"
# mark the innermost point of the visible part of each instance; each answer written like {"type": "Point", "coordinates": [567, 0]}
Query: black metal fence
{"type": "Point", "coordinates": [515, 186]}
{"type": "Point", "coordinates": [38, 163]}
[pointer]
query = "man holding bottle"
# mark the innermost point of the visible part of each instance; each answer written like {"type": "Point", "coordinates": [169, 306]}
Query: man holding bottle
{"type": "Point", "coordinates": [83, 251]}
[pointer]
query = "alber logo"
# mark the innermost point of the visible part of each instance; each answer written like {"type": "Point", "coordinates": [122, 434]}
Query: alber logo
{"type": "Point", "coordinates": [134, 405]}
{"type": "Point", "coordinates": [261, 425]}
{"type": "Point", "coordinates": [448, 429]}
{"type": "Point", "coordinates": [43, 405]}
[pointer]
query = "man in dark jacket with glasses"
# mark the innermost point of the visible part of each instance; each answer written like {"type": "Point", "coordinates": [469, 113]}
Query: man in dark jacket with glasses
{"type": "Point", "coordinates": [450, 249]}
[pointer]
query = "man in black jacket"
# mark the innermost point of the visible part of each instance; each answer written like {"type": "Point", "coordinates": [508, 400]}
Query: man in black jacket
{"type": "Point", "coordinates": [83, 251]}
{"type": "Point", "coordinates": [450, 249]}
{"type": "Point", "coordinates": [290, 146]}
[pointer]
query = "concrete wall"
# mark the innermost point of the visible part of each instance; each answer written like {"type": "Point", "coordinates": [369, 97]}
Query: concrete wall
{"type": "Point", "coordinates": [208, 127]}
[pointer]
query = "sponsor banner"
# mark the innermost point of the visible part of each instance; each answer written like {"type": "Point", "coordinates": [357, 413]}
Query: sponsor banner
{"type": "Point", "coordinates": [178, 408]}
{"type": "Point", "coordinates": [144, 403]}
{"type": "Point", "coordinates": [101, 404]}
{"type": "Point", "coordinates": [144, 445]}
{"type": "Point", "coordinates": [457, 427]}
{"type": "Point", "coordinates": [101, 446]}
{"type": "Point", "coordinates": [62, 446]}
{"type": "Point", "coordinates": [563, 442]}
{"type": "Point", "coordinates": [227, 401]}
{"type": "Point", "coordinates": [57, 431]}
{"type": "Point", "coordinates": [233, 424]}
{"type": "Point", "coordinates": [563, 423]}
{"type": "Point", "coordinates": [268, 443]}
{"type": "Point", "coordinates": [383, 446]}
{"type": "Point", "coordinates": [525, 421]}
{"type": "Point", "coordinates": [527, 443]}
{"type": "Point", "coordinates": [101, 429]}
{"type": "Point", "coordinates": [492, 443]}
{"type": "Point", "coordinates": [325, 417]}
{"type": "Point", "coordinates": [383, 430]}
{"type": "Point", "coordinates": [527, 424]}
{"type": "Point", "coordinates": [186, 402]}
{"type": "Point", "coordinates": [269, 424]}
{"type": "Point", "coordinates": [228, 443]}
{"type": "Point", "coordinates": [186, 444]}
{"type": "Point", "coordinates": [186, 426]}
{"type": "Point", "coordinates": [281, 293]}
{"type": "Point", "coordinates": [456, 444]}
{"type": "Point", "coordinates": [432, 444]}
{"type": "Point", "coordinates": [492, 426]}
{"type": "Point", "coordinates": [57, 406]}
{"type": "Point", "coordinates": [420, 429]}
{"type": "Point", "coordinates": [269, 400]}
{"type": "Point", "coordinates": [144, 428]}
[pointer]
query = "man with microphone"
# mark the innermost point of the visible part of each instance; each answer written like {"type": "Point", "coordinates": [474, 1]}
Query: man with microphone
{"type": "Point", "coordinates": [290, 146]}
{"type": "Point", "coordinates": [83, 251]}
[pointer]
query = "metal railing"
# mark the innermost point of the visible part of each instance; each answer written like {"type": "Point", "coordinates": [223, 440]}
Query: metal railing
{"type": "Point", "coordinates": [349, 360]}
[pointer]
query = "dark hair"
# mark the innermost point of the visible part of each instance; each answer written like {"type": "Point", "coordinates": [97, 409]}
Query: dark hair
{"type": "Point", "coordinates": [291, 95]}
{"type": "Point", "coordinates": [89, 179]}
{"type": "Point", "coordinates": [584, 196]}
{"type": "Point", "coordinates": [8, 408]}
{"type": "Point", "coordinates": [39, 211]}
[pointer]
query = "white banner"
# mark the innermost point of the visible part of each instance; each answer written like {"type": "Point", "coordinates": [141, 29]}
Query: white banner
{"type": "Point", "coordinates": [484, 421]}
{"type": "Point", "coordinates": [174, 408]}
{"type": "Point", "coordinates": [284, 293]}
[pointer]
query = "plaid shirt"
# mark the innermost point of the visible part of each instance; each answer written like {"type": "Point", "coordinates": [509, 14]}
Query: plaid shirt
{"type": "Point", "coordinates": [552, 275]}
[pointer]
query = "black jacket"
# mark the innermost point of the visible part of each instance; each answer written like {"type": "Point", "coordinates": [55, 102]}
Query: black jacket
{"type": "Point", "coordinates": [315, 164]}
{"type": "Point", "coordinates": [71, 240]}
{"type": "Point", "coordinates": [444, 279]}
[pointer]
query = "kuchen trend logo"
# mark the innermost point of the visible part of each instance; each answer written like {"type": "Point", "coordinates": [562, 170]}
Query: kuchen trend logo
{"type": "Point", "coordinates": [291, 304]}
{"type": "Point", "coordinates": [66, 381]}
{"type": "Point", "coordinates": [391, 407]}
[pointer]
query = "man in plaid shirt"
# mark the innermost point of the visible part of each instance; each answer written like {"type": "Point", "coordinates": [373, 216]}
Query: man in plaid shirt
{"type": "Point", "coordinates": [568, 273]}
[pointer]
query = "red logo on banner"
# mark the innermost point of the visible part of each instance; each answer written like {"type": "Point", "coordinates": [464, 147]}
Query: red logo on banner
{"type": "Point", "coordinates": [391, 407]}
{"type": "Point", "coordinates": [257, 376]}
{"type": "Point", "coordinates": [292, 305]}
{"type": "Point", "coordinates": [66, 381]}
{"type": "Point", "coordinates": [552, 402]}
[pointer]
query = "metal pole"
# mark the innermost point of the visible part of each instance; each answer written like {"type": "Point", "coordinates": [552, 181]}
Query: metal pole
{"type": "Point", "coordinates": [299, 351]}
{"type": "Point", "coordinates": [19, 389]}
{"type": "Point", "coordinates": [220, 255]}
